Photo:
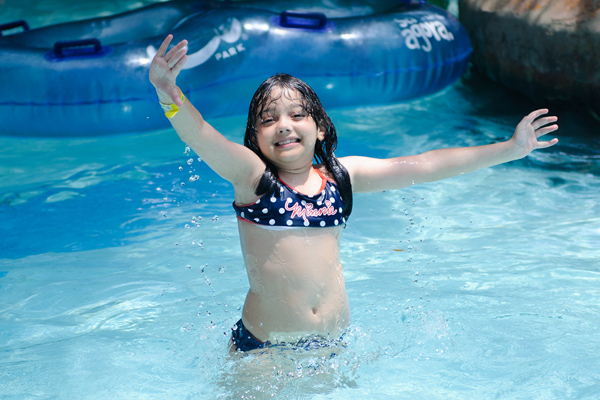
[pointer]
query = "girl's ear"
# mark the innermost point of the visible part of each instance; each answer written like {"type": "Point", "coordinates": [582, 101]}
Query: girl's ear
{"type": "Point", "coordinates": [321, 134]}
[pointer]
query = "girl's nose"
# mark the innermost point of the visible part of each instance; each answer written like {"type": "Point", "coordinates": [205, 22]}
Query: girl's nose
{"type": "Point", "coordinates": [284, 127]}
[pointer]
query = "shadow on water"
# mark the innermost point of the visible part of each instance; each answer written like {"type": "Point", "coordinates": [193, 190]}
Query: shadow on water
{"type": "Point", "coordinates": [578, 149]}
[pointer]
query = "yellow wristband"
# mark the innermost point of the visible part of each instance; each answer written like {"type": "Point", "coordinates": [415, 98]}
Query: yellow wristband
{"type": "Point", "coordinates": [171, 109]}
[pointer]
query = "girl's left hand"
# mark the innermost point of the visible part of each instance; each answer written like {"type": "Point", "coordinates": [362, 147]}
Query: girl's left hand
{"type": "Point", "coordinates": [531, 128]}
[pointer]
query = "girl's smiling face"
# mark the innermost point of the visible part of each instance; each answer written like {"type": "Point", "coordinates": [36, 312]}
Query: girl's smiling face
{"type": "Point", "coordinates": [286, 133]}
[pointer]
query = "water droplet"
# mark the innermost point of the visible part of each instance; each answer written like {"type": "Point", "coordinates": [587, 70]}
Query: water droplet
{"type": "Point", "coordinates": [222, 269]}
{"type": "Point", "coordinates": [190, 161]}
{"type": "Point", "coordinates": [215, 218]}
{"type": "Point", "coordinates": [194, 178]}
{"type": "Point", "coordinates": [181, 168]}
{"type": "Point", "coordinates": [182, 183]}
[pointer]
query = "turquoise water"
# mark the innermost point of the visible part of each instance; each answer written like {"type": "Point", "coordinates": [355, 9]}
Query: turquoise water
{"type": "Point", "coordinates": [120, 278]}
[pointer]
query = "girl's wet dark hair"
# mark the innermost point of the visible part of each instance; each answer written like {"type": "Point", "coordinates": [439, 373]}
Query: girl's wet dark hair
{"type": "Point", "coordinates": [323, 149]}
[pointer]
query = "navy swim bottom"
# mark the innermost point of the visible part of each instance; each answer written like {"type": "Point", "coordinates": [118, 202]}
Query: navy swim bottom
{"type": "Point", "coordinates": [243, 340]}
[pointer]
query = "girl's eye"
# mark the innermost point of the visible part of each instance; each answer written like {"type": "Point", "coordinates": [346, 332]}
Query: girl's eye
{"type": "Point", "coordinates": [298, 116]}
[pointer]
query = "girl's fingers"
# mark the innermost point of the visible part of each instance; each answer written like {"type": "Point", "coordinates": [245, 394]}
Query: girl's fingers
{"type": "Point", "coordinates": [542, 145]}
{"type": "Point", "coordinates": [545, 130]}
{"type": "Point", "coordinates": [175, 97]}
{"type": "Point", "coordinates": [543, 121]}
{"type": "Point", "coordinates": [176, 58]}
{"type": "Point", "coordinates": [163, 47]}
{"type": "Point", "coordinates": [534, 114]}
{"type": "Point", "coordinates": [179, 65]}
{"type": "Point", "coordinates": [175, 50]}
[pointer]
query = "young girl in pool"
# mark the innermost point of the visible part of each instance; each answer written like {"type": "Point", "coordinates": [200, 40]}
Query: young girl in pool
{"type": "Point", "coordinates": [291, 211]}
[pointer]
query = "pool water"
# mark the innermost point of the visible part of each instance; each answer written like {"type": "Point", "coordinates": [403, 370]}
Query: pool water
{"type": "Point", "coordinates": [121, 273]}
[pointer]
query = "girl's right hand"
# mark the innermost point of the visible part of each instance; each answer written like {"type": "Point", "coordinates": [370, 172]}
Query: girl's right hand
{"type": "Point", "coordinates": [165, 68]}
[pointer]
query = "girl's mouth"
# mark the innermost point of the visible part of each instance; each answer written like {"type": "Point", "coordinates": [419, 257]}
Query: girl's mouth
{"type": "Point", "coordinates": [287, 141]}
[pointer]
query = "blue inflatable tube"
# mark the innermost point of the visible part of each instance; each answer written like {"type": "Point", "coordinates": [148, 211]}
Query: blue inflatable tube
{"type": "Point", "coordinates": [91, 77]}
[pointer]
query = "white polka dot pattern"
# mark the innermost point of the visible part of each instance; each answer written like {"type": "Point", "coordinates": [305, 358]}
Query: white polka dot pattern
{"type": "Point", "coordinates": [287, 207]}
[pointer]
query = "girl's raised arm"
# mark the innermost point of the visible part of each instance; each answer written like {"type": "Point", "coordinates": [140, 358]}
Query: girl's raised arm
{"type": "Point", "coordinates": [373, 175]}
{"type": "Point", "coordinates": [232, 161]}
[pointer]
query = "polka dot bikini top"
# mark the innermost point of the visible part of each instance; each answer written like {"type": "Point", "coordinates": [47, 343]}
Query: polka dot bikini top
{"type": "Point", "coordinates": [285, 207]}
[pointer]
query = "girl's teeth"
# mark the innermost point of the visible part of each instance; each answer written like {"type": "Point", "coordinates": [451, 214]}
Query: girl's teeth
{"type": "Point", "coordinates": [286, 142]}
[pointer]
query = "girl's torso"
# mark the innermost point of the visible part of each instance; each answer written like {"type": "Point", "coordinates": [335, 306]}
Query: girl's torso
{"type": "Point", "coordinates": [290, 243]}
